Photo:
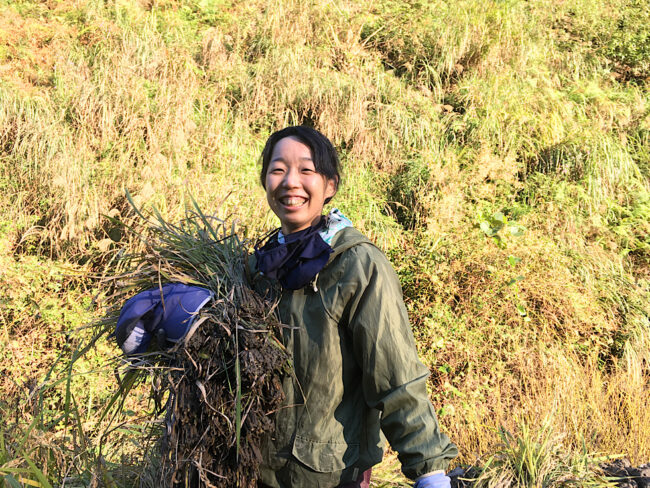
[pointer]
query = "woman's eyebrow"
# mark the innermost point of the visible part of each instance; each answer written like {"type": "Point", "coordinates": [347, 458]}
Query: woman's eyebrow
{"type": "Point", "coordinates": [281, 159]}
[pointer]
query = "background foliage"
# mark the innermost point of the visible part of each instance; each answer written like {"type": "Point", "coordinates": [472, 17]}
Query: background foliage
{"type": "Point", "coordinates": [498, 151]}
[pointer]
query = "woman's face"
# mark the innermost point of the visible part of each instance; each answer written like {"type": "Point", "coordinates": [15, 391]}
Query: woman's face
{"type": "Point", "coordinates": [295, 191]}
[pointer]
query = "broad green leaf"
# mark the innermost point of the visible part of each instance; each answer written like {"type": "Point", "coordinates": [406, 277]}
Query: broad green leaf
{"type": "Point", "coordinates": [485, 227]}
{"type": "Point", "coordinates": [496, 225]}
{"type": "Point", "coordinates": [516, 230]}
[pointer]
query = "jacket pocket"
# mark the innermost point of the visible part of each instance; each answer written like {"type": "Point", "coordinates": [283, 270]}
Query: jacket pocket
{"type": "Point", "coordinates": [325, 457]}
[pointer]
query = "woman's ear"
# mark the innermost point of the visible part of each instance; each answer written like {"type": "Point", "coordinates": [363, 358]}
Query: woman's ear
{"type": "Point", "coordinates": [332, 187]}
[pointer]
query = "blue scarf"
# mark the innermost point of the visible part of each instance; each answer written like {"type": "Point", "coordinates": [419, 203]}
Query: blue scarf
{"type": "Point", "coordinates": [296, 261]}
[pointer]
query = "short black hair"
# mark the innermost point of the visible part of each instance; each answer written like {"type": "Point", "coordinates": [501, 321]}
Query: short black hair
{"type": "Point", "coordinates": [326, 160]}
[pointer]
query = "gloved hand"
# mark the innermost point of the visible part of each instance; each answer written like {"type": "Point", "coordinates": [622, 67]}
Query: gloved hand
{"type": "Point", "coordinates": [145, 313]}
{"type": "Point", "coordinates": [435, 480]}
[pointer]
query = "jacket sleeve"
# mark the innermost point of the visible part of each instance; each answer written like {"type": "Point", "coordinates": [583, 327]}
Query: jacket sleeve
{"type": "Point", "coordinates": [394, 379]}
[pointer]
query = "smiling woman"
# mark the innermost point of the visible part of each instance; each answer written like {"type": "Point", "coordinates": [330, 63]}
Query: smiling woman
{"type": "Point", "coordinates": [300, 173]}
{"type": "Point", "coordinates": [295, 191]}
{"type": "Point", "coordinates": [357, 380]}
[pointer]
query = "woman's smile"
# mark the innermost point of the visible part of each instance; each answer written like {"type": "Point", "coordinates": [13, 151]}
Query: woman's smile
{"type": "Point", "coordinates": [293, 202]}
{"type": "Point", "coordinates": [296, 192]}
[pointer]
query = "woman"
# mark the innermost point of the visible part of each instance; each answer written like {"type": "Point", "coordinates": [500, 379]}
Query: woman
{"type": "Point", "coordinates": [356, 376]}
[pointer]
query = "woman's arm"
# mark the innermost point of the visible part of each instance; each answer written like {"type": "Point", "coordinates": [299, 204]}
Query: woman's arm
{"type": "Point", "coordinates": [394, 379]}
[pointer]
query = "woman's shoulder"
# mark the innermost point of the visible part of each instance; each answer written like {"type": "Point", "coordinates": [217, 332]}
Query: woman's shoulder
{"type": "Point", "coordinates": [361, 268]}
{"type": "Point", "coordinates": [357, 250]}
{"type": "Point", "coordinates": [351, 241]}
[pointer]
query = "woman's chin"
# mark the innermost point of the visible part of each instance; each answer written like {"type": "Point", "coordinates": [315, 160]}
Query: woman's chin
{"type": "Point", "coordinates": [291, 225]}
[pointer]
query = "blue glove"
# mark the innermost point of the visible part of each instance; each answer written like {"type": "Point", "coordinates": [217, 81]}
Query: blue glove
{"type": "Point", "coordinates": [145, 315]}
{"type": "Point", "coordinates": [436, 480]}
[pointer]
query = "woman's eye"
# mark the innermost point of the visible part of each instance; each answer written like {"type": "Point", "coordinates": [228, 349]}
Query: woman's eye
{"type": "Point", "coordinates": [308, 170]}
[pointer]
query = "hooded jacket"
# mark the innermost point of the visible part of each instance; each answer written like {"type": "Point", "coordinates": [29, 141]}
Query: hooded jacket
{"type": "Point", "coordinates": [356, 377]}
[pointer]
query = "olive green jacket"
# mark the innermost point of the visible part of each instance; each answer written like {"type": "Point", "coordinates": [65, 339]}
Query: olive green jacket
{"type": "Point", "coordinates": [357, 374]}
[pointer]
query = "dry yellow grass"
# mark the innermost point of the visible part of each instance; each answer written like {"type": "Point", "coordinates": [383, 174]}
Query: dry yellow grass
{"type": "Point", "coordinates": [442, 115]}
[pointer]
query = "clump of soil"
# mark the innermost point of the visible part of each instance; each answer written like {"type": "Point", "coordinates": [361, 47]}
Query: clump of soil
{"type": "Point", "coordinates": [463, 477]}
{"type": "Point", "coordinates": [629, 476]}
{"type": "Point", "coordinates": [231, 358]}
{"type": "Point", "coordinates": [620, 473]}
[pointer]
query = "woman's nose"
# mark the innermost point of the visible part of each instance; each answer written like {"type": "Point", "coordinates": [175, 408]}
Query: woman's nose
{"type": "Point", "coordinates": [291, 179]}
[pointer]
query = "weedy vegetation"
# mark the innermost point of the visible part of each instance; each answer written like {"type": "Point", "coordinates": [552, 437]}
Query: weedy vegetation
{"type": "Point", "coordinates": [218, 387]}
{"type": "Point", "coordinates": [498, 151]}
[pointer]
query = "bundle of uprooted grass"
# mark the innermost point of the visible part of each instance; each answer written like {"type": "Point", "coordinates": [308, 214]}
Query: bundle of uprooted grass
{"type": "Point", "coordinates": [223, 379]}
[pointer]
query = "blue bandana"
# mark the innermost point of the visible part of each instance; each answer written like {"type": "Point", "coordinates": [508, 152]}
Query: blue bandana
{"type": "Point", "coordinates": [294, 259]}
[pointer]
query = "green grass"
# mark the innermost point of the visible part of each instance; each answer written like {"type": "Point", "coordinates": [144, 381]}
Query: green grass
{"type": "Point", "coordinates": [538, 459]}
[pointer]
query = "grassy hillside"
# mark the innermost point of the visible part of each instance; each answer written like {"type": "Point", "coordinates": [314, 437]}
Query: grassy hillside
{"type": "Point", "coordinates": [498, 151]}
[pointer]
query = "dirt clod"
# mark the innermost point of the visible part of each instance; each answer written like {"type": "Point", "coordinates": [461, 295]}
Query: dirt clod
{"type": "Point", "coordinates": [223, 364]}
{"type": "Point", "coordinates": [630, 476]}
{"type": "Point", "coordinates": [621, 472]}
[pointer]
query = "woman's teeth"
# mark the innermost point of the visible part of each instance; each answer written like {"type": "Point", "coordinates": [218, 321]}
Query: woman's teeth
{"type": "Point", "coordinates": [293, 202]}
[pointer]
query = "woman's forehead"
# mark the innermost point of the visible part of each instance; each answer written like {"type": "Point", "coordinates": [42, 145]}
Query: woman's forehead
{"type": "Point", "coordinates": [291, 148]}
